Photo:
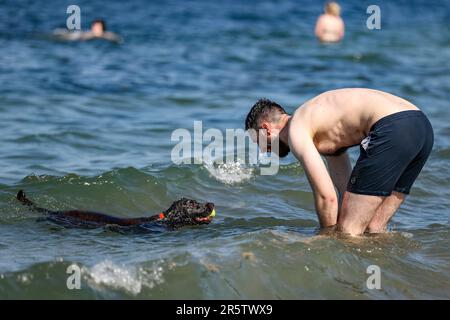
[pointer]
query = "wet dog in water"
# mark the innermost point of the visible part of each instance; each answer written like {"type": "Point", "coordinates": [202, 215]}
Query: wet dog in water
{"type": "Point", "coordinates": [184, 212]}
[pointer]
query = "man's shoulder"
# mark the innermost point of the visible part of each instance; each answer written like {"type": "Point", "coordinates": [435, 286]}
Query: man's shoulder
{"type": "Point", "coordinates": [299, 128]}
{"type": "Point", "coordinates": [303, 113]}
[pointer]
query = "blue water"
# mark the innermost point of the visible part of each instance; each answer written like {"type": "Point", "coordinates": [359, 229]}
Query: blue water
{"type": "Point", "coordinates": [88, 124]}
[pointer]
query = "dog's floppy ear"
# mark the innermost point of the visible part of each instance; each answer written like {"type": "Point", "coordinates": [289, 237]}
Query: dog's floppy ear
{"type": "Point", "coordinates": [172, 207]}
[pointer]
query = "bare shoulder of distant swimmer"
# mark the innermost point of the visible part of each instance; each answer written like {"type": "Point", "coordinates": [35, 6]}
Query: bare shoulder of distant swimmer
{"type": "Point", "coordinates": [77, 35]}
{"type": "Point", "coordinates": [97, 31]}
{"type": "Point", "coordinates": [111, 36]}
{"type": "Point", "coordinates": [67, 35]}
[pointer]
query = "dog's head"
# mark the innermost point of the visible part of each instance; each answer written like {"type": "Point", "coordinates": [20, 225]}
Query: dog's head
{"type": "Point", "coordinates": [186, 212]}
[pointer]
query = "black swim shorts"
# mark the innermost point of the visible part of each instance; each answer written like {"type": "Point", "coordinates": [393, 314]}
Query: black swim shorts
{"type": "Point", "coordinates": [393, 154]}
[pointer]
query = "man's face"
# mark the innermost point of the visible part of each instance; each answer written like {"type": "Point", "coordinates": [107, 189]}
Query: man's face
{"type": "Point", "coordinates": [270, 135]}
{"type": "Point", "coordinates": [283, 149]}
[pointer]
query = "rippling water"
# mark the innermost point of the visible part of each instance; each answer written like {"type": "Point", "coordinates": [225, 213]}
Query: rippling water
{"type": "Point", "coordinates": [89, 124]}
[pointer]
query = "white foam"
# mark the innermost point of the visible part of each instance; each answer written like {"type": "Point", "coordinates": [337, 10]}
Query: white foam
{"type": "Point", "coordinates": [25, 278]}
{"type": "Point", "coordinates": [407, 235]}
{"type": "Point", "coordinates": [129, 278]}
{"type": "Point", "coordinates": [230, 173]}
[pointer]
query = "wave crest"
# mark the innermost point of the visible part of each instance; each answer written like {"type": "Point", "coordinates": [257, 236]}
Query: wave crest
{"type": "Point", "coordinates": [131, 279]}
{"type": "Point", "coordinates": [230, 173]}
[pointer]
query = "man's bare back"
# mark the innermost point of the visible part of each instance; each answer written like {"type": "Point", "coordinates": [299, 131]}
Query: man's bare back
{"type": "Point", "coordinates": [342, 118]}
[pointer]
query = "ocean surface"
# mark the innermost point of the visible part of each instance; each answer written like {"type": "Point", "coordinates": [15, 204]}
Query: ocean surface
{"type": "Point", "coordinates": [88, 125]}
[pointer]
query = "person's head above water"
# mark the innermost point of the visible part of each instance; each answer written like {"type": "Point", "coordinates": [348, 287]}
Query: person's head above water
{"type": "Point", "coordinates": [268, 121]}
{"type": "Point", "coordinates": [98, 27]}
{"type": "Point", "coordinates": [333, 8]}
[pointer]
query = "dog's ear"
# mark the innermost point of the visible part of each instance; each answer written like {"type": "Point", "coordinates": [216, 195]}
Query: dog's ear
{"type": "Point", "coordinates": [174, 206]}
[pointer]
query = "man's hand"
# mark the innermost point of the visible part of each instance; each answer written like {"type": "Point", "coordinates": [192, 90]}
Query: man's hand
{"type": "Point", "coordinates": [325, 198]}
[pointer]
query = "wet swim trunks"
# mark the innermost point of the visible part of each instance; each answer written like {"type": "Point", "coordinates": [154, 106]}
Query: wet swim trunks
{"type": "Point", "coordinates": [393, 154]}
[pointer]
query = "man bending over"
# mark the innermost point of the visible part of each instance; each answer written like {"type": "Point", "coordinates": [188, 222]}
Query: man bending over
{"type": "Point", "coordinates": [395, 140]}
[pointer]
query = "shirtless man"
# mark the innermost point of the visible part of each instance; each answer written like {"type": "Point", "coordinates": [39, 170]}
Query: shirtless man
{"type": "Point", "coordinates": [330, 26]}
{"type": "Point", "coordinates": [395, 140]}
{"type": "Point", "coordinates": [97, 31]}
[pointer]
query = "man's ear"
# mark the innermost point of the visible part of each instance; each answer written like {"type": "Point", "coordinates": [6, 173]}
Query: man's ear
{"type": "Point", "coordinates": [266, 127]}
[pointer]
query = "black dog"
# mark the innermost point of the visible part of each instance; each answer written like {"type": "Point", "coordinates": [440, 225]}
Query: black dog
{"type": "Point", "coordinates": [183, 212]}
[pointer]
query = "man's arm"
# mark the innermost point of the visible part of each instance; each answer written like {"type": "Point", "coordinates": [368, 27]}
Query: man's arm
{"type": "Point", "coordinates": [325, 199]}
{"type": "Point", "coordinates": [340, 170]}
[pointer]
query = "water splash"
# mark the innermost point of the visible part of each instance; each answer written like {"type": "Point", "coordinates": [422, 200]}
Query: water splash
{"type": "Point", "coordinates": [230, 173]}
{"type": "Point", "coordinates": [128, 278]}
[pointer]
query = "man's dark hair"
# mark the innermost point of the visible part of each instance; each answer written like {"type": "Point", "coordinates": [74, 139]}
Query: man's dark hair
{"type": "Point", "coordinates": [264, 109]}
{"type": "Point", "coordinates": [101, 21]}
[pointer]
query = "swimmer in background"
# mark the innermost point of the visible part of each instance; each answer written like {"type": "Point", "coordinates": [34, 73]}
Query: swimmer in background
{"type": "Point", "coordinates": [98, 31]}
{"type": "Point", "coordinates": [330, 26]}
